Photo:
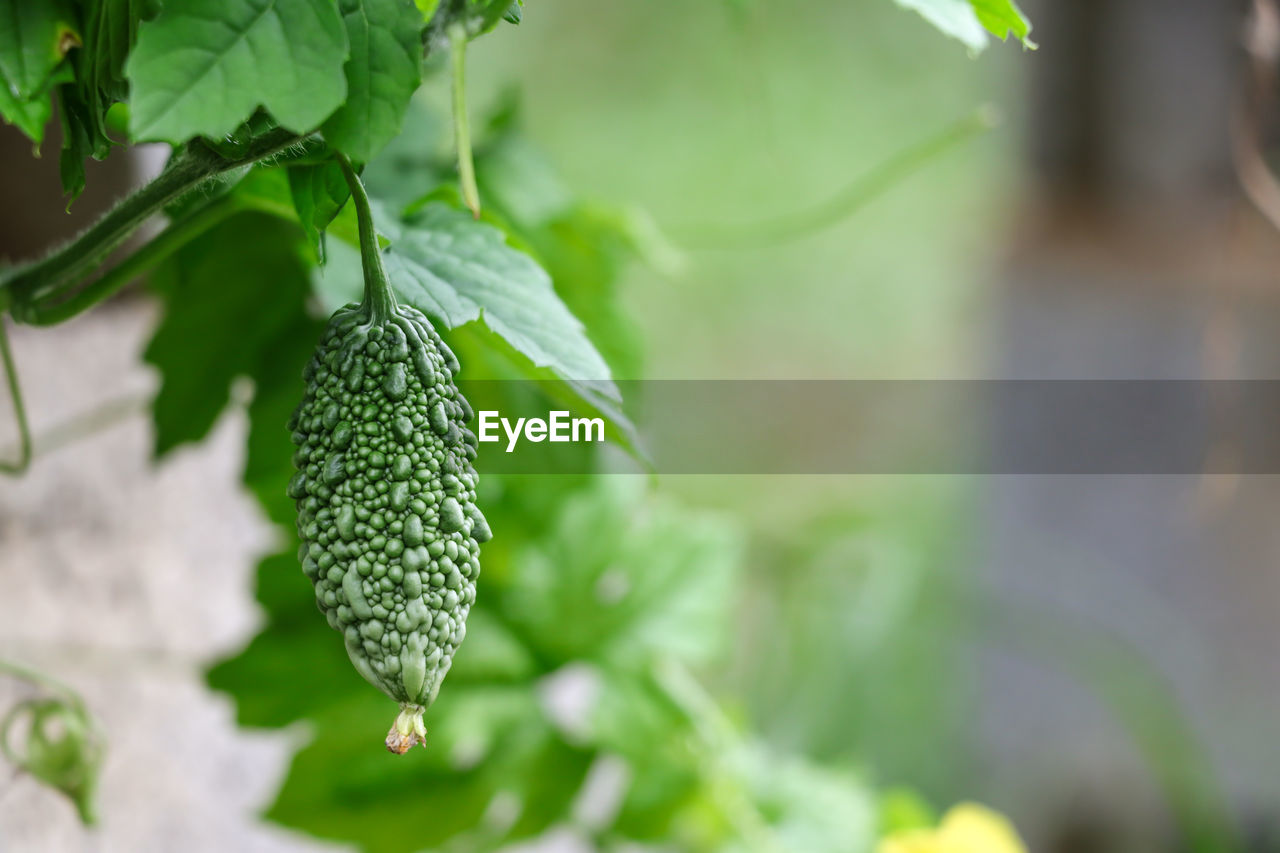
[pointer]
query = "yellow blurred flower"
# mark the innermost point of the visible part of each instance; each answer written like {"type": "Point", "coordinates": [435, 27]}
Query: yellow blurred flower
{"type": "Point", "coordinates": [967, 828]}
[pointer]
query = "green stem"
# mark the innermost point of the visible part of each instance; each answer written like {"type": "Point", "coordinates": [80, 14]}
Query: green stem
{"type": "Point", "coordinates": [19, 411]}
{"type": "Point", "coordinates": [378, 298]}
{"type": "Point", "coordinates": [146, 258]}
{"type": "Point", "coordinates": [864, 189]}
{"type": "Point", "coordinates": [461, 124]}
{"type": "Point", "coordinates": [60, 271]}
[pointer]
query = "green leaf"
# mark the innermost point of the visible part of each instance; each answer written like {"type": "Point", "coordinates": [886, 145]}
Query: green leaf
{"type": "Point", "coordinates": [623, 578]}
{"type": "Point", "coordinates": [969, 21]}
{"type": "Point", "coordinates": [383, 72]}
{"type": "Point", "coordinates": [30, 117]}
{"type": "Point", "coordinates": [955, 18]}
{"type": "Point", "coordinates": [427, 8]}
{"type": "Point", "coordinates": [515, 175]}
{"type": "Point", "coordinates": [203, 66]}
{"type": "Point", "coordinates": [111, 28]}
{"type": "Point", "coordinates": [78, 141]}
{"type": "Point", "coordinates": [271, 689]}
{"type": "Point", "coordinates": [229, 298]}
{"type": "Point", "coordinates": [484, 15]}
{"type": "Point", "coordinates": [34, 40]}
{"type": "Point", "coordinates": [809, 807]}
{"type": "Point", "coordinates": [1003, 18]}
{"type": "Point", "coordinates": [482, 741]}
{"type": "Point", "coordinates": [456, 269]}
{"type": "Point", "coordinates": [319, 192]}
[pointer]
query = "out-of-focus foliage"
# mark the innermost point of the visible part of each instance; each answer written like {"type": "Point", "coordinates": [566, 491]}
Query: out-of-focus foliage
{"type": "Point", "coordinates": [966, 828]}
{"type": "Point", "coordinates": [604, 610]}
{"type": "Point", "coordinates": [970, 21]}
{"type": "Point", "coordinates": [596, 602]}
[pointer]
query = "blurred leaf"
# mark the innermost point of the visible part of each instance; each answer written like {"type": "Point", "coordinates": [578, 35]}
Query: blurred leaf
{"type": "Point", "coordinates": [484, 15]}
{"type": "Point", "coordinates": [1003, 18]}
{"type": "Point", "coordinates": [482, 742]}
{"type": "Point", "coordinates": [297, 666]}
{"type": "Point", "coordinates": [413, 163]}
{"type": "Point", "coordinates": [515, 176]}
{"type": "Point", "coordinates": [238, 290]}
{"type": "Point", "coordinates": [383, 71]}
{"type": "Point", "coordinates": [955, 18]}
{"type": "Point", "coordinates": [427, 8]}
{"type": "Point", "coordinates": [902, 809]}
{"type": "Point", "coordinates": [585, 250]}
{"type": "Point", "coordinates": [30, 117]}
{"type": "Point", "coordinates": [622, 579]}
{"type": "Point", "coordinates": [969, 21]}
{"type": "Point", "coordinates": [203, 66]}
{"type": "Point", "coordinates": [807, 807]}
{"type": "Point", "coordinates": [34, 41]}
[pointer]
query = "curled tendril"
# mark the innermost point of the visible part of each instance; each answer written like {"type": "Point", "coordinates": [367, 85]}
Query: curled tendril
{"type": "Point", "coordinates": [63, 747]}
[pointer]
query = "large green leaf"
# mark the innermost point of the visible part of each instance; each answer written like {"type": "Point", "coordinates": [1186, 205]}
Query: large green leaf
{"type": "Point", "coordinates": [382, 74]}
{"type": "Point", "coordinates": [457, 270]}
{"type": "Point", "coordinates": [34, 39]}
{"type": "Point", "coordinates": [233, 300]}
{"type": "Point", "coordinates": [448, 265]}
{"type": "Point", "coordinates": [203, 66]}
{"type": "Point", "coordinates": [110, 30]}
{"type": "Point", "coordinates": [623, 578]}
{"type": "Point", "coordinates": [483, 741]}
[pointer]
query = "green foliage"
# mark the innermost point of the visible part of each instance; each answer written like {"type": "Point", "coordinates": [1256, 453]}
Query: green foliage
{"type": "Point", "coordinates": [450, 266]}
{"type": "Point", "coordinates": [382, 75]}
{"type": "Point", "coordinates": [970, 21]}
{"type": "Point", "coordinates": [33, 47]}
{"type": "Point", "coordinates": [318, 192]}
{"type": "Point", "coordinates": [203, 67]}
{"type": "Point", "coordinates": [212, 290]}
{"type": "Point", "coordinates": [603, 604]}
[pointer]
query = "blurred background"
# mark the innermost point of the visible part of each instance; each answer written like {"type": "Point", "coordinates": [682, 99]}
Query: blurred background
{"type": "Point", "coordinates": [1096, 657]}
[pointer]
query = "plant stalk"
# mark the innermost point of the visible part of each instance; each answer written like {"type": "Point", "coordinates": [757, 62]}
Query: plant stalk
{"type": "Point", "coordinates": [378, 298]}
{"type": "Point", "coordinates": [461, 123]}
{"type": "Point", "coordinates": [67, 266]}
{"type": "Point", "coordinates": [19, 412]}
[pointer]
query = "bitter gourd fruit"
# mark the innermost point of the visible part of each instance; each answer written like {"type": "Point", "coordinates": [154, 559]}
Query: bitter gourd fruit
{"type": "Point", "coordinates": [386, 496]}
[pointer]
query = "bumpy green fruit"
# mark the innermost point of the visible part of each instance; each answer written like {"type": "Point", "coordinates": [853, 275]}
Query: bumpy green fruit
{"type": "Point", "coordinates": [386, 496]}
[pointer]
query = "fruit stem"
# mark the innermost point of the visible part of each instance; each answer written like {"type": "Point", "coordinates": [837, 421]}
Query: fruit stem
{"type": "Point", "coordinates": [461, 124]}
{"type": "Point", "coordinates": [379, 301]}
